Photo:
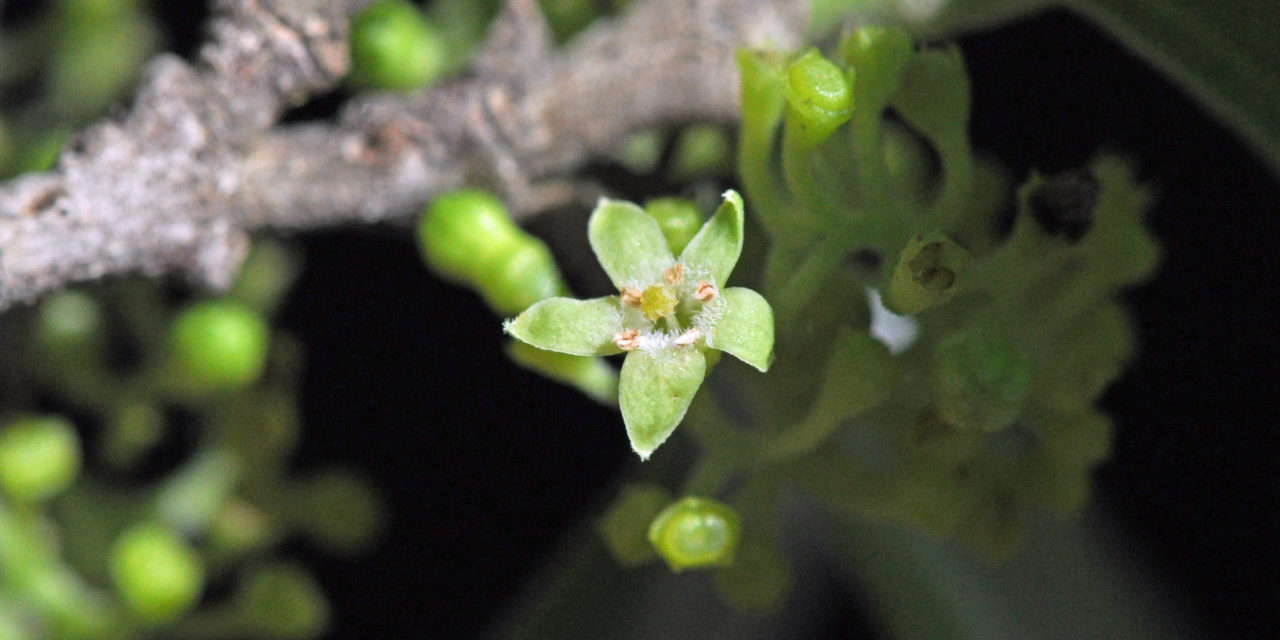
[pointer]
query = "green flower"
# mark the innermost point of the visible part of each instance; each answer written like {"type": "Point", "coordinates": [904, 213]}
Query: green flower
{"type": "Point", "coordinates": [668, 312]}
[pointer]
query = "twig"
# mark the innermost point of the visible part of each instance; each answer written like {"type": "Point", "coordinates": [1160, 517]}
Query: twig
{"type": "Point", "coordinates": [197, 161]}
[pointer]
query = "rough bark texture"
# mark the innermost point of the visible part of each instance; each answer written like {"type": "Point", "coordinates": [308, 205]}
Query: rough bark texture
{"type": "Point", "coordinates": [198, 160]}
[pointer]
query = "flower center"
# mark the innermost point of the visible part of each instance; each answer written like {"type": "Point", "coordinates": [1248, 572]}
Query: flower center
{"type": "Point", "coordinates": [657, 302]}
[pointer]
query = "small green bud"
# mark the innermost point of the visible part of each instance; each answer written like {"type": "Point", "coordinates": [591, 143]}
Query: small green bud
{"type": "Point", "coordinates": [929, 272]}
{"type": "Point", "coordinates": [526, 275]}
{"type": "Point", "coordinates": [696, 532]}
{"type": "Point", "coordinates": [219, 344]}
{"type": "Point", "coordinates": [39, 457]}
{"type": "Point", "coordinates": [625, 525]}
{"type": "Point", "coordinates": [70, 324]}
{"type": "Point", "coordinates": [879, 54]}
{"type": "Point", "coordinates": [678, 218]}
{"type": "Point", "coordinates": [394, 47]}
{"type": "Point", "coordinates": [464, 233]}
{"type": "Point", "coordinates": [981, 382]}
{"type": "Point", "coordinates": [701, 150]}
{"type": "Point", "coordinates": [156, 572]}
{"type": "Point", "coordinates": [820, 97]}
{"type": "Point", "coordinates": [283, 602]}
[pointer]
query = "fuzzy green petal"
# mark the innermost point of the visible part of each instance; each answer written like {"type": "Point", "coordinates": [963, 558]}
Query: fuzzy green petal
{"type": "Point", "coordinates": [746, 330]}
{"type": "Point", "coordinates": [565, 325]}
{"type": "Point", "coordinates": [654, 391]}
{"type": "Point", "coordinates": [628, 243]}
{"type": "Point", "coordinates": [719, 242]}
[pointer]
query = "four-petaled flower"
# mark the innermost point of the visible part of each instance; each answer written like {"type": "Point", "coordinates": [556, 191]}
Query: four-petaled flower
{"type": "Point", "coordinates": [667, 313]}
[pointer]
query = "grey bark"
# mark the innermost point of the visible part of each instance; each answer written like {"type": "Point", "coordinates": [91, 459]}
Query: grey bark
{"type": "Point", "coordinates": [199, 160]}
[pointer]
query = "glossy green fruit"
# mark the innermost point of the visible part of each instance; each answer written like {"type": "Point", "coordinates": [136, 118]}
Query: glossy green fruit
{"type": "Point", "coordinates": [465, 234]}
{"type": "Point", "coordinates": [394, 47]}
{"type": "Point", "coordinates": [219, 344]}
{"type": "Point", "coordinates": [156, 572]}
{"type": "Point", "coordinates": [469, 237]}
{"type": "Point", "coordinates": [696, 532]}
{"type": "Point", "coordinates": [819, 96]}
{"type": "Point", "coordinates": [39, 457]}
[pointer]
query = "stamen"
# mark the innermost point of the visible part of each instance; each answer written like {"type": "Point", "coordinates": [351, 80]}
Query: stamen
{"type": "Point", "coordinates": [674, 275]}
{"type": "Point", "coordinates": [688, 338]}
{"type": "Point", "coordinates": [631, 296]}
{"type": "Point", "coordinates": [628, 340]}
{"type": "Point", "coordinates": [706, 291]}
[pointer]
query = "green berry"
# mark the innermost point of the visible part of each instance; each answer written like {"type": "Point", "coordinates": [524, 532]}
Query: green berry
{"type": "Point", "coordinates": [696, 532]}
{"type": "Point", "coordinates": [678, 218]}
{"type": "Point", "coordinates": [981, 382]}
{"type": "Point", "coordinates": [219, 344]}
{"type": "Point", "coordinates": [820, 96]}
{"type": "Point", "coordinates": [39, 457]}
{"type": "Point", "coordinates": [469, 237]}
{"type": "Point", "coordinates": [465, 233]}
{"type": "Point", "coordinates": [156, 572]}
{"type": "Point", "coordinates": [394, 47]}
{"type": "Point", "coordinates": [283, 602]}
{"type": "Point", "coordinates": [525, 276]}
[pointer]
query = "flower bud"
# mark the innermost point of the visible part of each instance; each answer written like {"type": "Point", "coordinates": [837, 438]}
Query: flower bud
{"type": "Point", "coordinates": [394, 47]}
{"type": "Point", "coordinates": [525, 275]}
{"type": "Point", "coordinates": [819, 97]}
{"type": "Point", "coordinates": [39, 457]}
{"type": "Point", "coordinates": [156, 572]}
{"type": "Point", "coordinates": [696, 532]}
{"type": "Point", "coordinates": [219, 344]}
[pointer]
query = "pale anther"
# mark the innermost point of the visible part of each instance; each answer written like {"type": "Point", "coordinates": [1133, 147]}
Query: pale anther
{"type": "Point", "coordinates": [631, 296]}
{"type": "Point", "coordinates": [628, 340]}
{"type": "Point", "coordinates": [706, 291]}
{"type": "Point", "coordinates": [675, 274]}
{"type": "Point", "coordinates": [688, 338]}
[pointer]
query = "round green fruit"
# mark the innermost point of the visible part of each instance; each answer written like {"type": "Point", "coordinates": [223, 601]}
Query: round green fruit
{"type": "Point", "coordinates": [219, 344]}
{"type": "Point", "coordinates": [39, 457]}
{"type": "Point", "coordinates": [394, 47]}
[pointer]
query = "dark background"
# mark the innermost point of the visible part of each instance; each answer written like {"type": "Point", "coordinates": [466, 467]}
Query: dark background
{"type": "Point", "coordinates": [483, 464]}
